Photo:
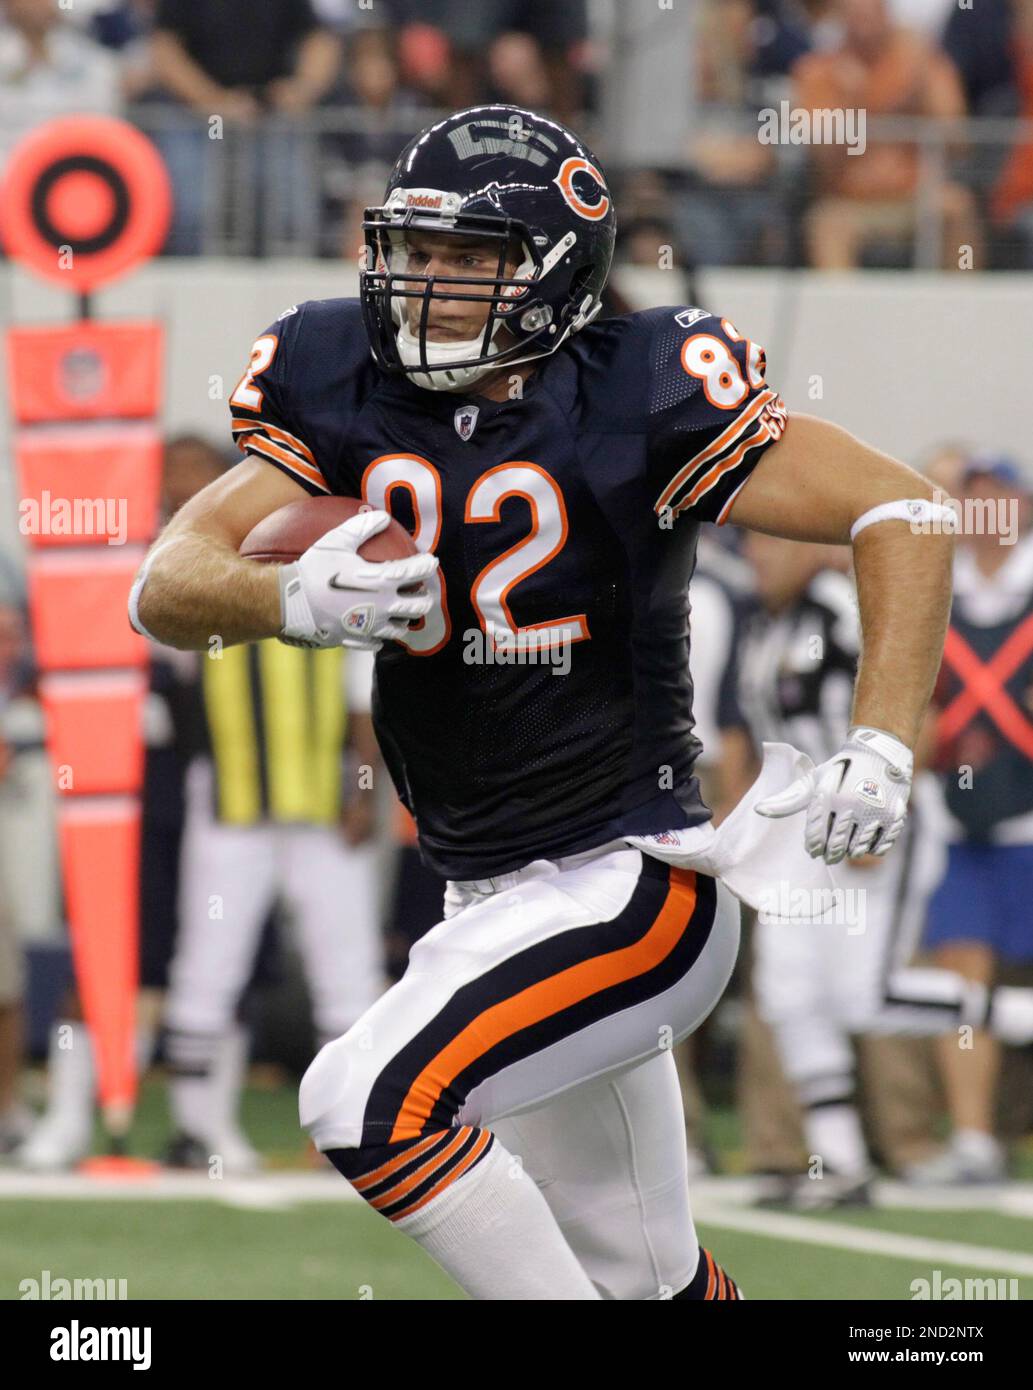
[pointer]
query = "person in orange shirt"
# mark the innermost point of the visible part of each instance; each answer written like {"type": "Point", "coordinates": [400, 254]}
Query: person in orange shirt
{"type": "Point", "coordinates": [882, 70]}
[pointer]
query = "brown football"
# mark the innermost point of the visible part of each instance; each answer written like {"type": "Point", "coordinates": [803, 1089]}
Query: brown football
{"type": "Point", "coordinates": [287, 533]}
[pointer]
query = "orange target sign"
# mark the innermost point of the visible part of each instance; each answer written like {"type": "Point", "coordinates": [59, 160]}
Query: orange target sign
{"type": "Point", "coordinates": [84, 200]}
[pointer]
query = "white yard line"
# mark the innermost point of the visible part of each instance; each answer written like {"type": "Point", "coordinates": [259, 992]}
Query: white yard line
{"type": "Point", "coordinates": [1015, 1198]}
{"type": "Point", "coordinates": [722, 1202]}
{"type": "Point", "coordinates": [807, 1231]}
{"type": "Point", "coordinates": [264, 1191]}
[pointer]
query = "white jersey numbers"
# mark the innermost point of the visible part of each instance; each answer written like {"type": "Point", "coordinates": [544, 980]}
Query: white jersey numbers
{"type": "Point", "coordinates": [708, 358]}
{"type": "Point", "coordinates": [422, 481]}
{"type": "Point", "coordinates": [546, 539]}
{"type": "Point", "coordinates": [246, 394]}
{"type": "Point", "coordinates": [493, 586]}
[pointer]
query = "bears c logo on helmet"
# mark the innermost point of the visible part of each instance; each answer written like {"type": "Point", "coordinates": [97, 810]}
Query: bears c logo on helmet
{"type": "Point", "coordinates": [583, 188]}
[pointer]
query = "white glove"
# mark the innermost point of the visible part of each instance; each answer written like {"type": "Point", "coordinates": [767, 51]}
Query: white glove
{"type": "Point", "coordinates": [856, 802]}
{"type": "Point", "coordinates": [332, 597]}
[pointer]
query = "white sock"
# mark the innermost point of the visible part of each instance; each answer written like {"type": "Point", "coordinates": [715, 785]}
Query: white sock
{"type": "Point", "coordinates": [227, 1078]}
{"type": "Point", "coordinates": [192, 1097]}
{"type": "Point", "coordinates": [834, 1134]}
{"type": "Point", "coordinates": [1011, 1014]}
{"type": "Point", "coordinates": [975, 1144]}
{"type": "Point", "coordinates": [493, 1232]}
{"type": "Point", "coordinates": [71, 1078]}
{"type": "Point", "coordinates": [206, 1106]}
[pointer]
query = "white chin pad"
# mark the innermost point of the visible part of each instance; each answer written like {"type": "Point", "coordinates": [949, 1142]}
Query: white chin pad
{"type": "Point", "coordinates": [455, 378]}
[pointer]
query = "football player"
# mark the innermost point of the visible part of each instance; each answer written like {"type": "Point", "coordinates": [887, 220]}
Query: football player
{"type": "Point", "coordinates": [511, 1104]}
{"type": "Point", "coordinates": [796, 660]}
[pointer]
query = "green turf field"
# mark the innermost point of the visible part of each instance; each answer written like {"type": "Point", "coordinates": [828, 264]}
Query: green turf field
{"type": "Point", "coordinates": [203, 1249]}
{"type": "Point", "coordinates": [292, 1235]}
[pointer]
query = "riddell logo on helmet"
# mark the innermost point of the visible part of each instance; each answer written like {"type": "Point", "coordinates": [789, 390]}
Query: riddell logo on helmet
{"type": "Point", "coordinates": [428, 199]}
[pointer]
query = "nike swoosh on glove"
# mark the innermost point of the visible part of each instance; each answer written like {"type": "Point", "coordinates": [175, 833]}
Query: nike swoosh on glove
{"type": "Point", "coordinates": [331, 597]}
{"type": "Point", "coordinates": [856, 802]}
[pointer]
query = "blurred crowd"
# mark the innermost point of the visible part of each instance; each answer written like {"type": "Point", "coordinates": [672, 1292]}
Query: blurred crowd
{"type": "Point", "coordinates": [279, 122]}
{"type": "Point", "coordinates": [898, 1037]}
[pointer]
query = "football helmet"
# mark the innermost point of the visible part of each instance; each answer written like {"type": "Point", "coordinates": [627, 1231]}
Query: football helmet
{"type": "Point", "coordinates": [504, 175]}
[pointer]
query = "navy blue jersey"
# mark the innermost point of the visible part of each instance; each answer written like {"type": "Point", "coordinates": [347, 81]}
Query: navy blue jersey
{"type": "Point", "coordinates": [545, 705]}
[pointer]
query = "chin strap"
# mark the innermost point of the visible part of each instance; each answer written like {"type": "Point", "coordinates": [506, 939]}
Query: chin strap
{"type": "Point", "coordinates": [450, 379]}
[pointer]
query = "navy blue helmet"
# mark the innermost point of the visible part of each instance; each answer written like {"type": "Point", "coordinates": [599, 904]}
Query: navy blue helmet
{"type": "Point", "coordinates": [503, 175]}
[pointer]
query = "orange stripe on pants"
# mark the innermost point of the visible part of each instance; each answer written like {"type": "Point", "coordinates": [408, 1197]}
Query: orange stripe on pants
{"type": "Point", "coordinates": [544, 999]}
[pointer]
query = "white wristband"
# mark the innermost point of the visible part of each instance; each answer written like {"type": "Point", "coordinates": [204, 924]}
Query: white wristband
{"type": "Point", "coordinates": [296, 620]}
{"type": "Point", "coordinates": [918, 511]}
{"type": "Point", "coordinates": [887, 745]}
{"type": "Point", "coordinates": [137, 590]}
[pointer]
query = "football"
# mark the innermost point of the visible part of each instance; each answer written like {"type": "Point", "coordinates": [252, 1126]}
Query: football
{"type": "Point", "coordinates": [288, 532]}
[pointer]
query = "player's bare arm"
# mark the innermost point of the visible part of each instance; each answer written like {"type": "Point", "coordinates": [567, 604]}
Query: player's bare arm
{"type": "Point", "coordinates": [813, 485]}
{"type": "Point", "coordinates": [816, 484]}
{"type": "Point", "coordinates": [195, 585]}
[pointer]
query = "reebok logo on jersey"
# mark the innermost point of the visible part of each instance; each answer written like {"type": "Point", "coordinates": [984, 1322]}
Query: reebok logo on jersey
{"type": "Point", "coordinates": [687, 317]}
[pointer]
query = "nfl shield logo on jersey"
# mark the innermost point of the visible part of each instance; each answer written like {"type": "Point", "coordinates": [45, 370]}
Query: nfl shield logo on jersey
{"type": "Point", "coordinates": [466, 420]}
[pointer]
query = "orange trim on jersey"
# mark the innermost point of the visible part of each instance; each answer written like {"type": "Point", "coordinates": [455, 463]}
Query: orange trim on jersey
{"type": "Point", "coordinates": [283, 436]}
{"type": "Point", "coordinates": [404, 482]}
{"type": "Point", "coordinates": [774, 419]}
{"type": "Point", "coordinates": [275, 453]}
{"type": "Point", "coordinates": [419, 521]}
{"type": "Point", "coordinates": [250, 374]}
{"type": "Point", "coordinates": [457, 1172]}
{"type": "Point", "coordinates": [711, 1276]}
{"type": "Point", "coordinates": [578, 622]}
{"type": "Point", "coordinates": [545, 999]}
{"type": "Point", "coordinates": [757, 436]}
{"type": "Point", "coordinates": [722, 442]}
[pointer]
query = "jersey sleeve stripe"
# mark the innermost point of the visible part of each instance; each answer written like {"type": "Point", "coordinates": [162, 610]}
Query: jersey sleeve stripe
{"type": "Point", "coordinates": [716, 448]}
{"type": "Point", "coordinates": [774, 419]}
{"type": "Point", "coordinates": [241, 427]}
{"type": "Point", "coordinates": [758, 435]}
{"type": "Point", "coordinates": [265, 448]}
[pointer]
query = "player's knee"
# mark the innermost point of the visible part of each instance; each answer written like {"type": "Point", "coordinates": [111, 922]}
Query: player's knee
{"type": "Point", "coordinates": [331, 1099]}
